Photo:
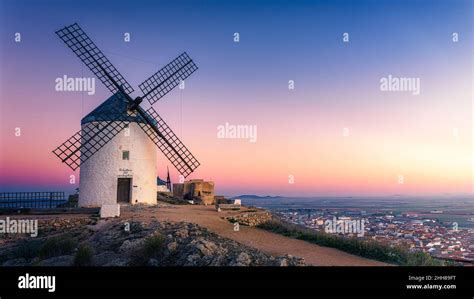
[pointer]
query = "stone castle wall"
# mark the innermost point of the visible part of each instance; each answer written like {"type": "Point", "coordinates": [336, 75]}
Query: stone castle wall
{"type": "Point", "coordinates": [203, 190]}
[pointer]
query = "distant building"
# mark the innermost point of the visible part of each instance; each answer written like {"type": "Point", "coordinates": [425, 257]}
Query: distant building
{"type": "Point", "coordinates": [219, 199]}
{"type": "Point", "coordinates": [162, 185]}
{"type": "Point", "coordinates": [237, 202]}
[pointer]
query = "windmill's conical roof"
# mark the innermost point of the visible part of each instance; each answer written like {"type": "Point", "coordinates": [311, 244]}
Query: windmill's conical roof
{"type": "Point", "coordinates": [113, 109]}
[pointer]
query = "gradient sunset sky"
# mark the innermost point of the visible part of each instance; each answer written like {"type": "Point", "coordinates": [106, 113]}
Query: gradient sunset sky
{"type": "Point", "coordinates": [300, 131]}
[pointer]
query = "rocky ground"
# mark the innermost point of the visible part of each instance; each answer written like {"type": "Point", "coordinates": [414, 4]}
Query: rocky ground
{"type": "Point", "coordinates": [264, 241]}
{"type": "Point", "coordinates": [127, 242]}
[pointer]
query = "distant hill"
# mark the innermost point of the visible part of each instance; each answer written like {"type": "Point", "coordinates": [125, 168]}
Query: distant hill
{"type": "Point", "coordinates": [252, 196]}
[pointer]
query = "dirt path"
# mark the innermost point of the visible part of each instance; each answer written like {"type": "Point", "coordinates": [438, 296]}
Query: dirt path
{"type": "Point", "coordinates": [265, 241]}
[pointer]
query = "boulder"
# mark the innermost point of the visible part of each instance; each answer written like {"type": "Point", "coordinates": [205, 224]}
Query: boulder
{"type": "Point", "coordinates": [110, 211]}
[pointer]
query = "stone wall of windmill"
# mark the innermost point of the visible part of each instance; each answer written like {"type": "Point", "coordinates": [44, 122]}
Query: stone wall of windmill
{"type": "Point", "coordinates": [100, 173]}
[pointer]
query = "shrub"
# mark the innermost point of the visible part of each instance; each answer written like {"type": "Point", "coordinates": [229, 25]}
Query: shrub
{"type": "Point", "coordinates": [422, 259]}
{"type": "Point", "coordinates": [84, 256]}
{"type": "Point", "coordinates": [153, 246]}
{"type": "Point", "coordinates": [57, 246]}
{"type": "Point", "coordinates": [27, 249]}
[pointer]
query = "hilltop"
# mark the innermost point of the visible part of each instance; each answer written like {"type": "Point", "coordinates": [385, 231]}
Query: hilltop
{"type": "Point", "coordinates": [166, 235]}
{"type": "Point", "coordinates": [126, 242]}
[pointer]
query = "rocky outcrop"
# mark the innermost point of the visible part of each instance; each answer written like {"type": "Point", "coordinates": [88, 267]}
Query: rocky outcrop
{"type": "Point", "coordinates": [118, 242]}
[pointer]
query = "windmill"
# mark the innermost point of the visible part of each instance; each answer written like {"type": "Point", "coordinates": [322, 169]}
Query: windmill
{"type": "Point", "coordinates": [100, 170]}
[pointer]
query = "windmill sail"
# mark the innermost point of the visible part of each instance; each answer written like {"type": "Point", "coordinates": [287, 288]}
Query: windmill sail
{"type": "Point", "coordinates": [166, 79]}
{"type": "Point", "coordinates": [86, 142]}
{"type": "Point", "coordinates": [91, 138]}
{"type": "Point", "coordinates": [76, 39]}
{"type": "Point", "coordinates": [167, 141]}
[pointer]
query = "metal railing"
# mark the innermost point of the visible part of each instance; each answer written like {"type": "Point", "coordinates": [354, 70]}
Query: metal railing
{"type": "Point", "coordinates": [31, 200]}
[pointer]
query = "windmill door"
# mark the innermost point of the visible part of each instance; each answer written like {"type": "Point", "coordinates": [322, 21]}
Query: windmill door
{"type": "Point", "coordinates": [123, 190]}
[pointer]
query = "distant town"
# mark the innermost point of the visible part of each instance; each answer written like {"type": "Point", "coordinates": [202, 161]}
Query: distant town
{"type": "Point", "coordinates": [410, 230]}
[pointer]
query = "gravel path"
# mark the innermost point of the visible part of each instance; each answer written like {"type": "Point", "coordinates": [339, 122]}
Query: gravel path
{"type": "Point", "coordinates": [265, 241]}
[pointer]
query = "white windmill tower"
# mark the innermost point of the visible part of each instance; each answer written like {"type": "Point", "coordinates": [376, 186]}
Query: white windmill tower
{"type": "Point", "coordinates": [116, 146]}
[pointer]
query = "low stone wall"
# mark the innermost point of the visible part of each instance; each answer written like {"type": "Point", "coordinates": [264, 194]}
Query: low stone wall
{"type": "Point", "coordinates": [63, 223]}
{"type": "Point", "coordinates": [227, 206]}
{"type": "Point", "coordinates": [251, 219]}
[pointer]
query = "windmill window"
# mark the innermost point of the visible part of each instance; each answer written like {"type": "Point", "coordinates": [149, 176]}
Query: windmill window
{"type": "Point", "coordinates": [125, 155]}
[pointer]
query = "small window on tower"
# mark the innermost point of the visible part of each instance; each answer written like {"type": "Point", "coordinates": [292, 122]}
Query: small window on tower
{"type": "Point", "coordinates": [126, 155]}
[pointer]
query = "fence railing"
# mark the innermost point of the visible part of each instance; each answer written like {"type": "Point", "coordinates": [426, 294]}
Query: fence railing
{"type": "Point", "coordinates": [34, 200]}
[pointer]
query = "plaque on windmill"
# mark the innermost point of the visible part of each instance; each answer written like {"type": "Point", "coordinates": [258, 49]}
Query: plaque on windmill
{"type": "Point", "coordinates": [116, 167]}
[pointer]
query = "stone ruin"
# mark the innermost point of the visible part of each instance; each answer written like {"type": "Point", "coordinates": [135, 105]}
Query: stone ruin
{"type": "Point", "coordinates": [197, 190]}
